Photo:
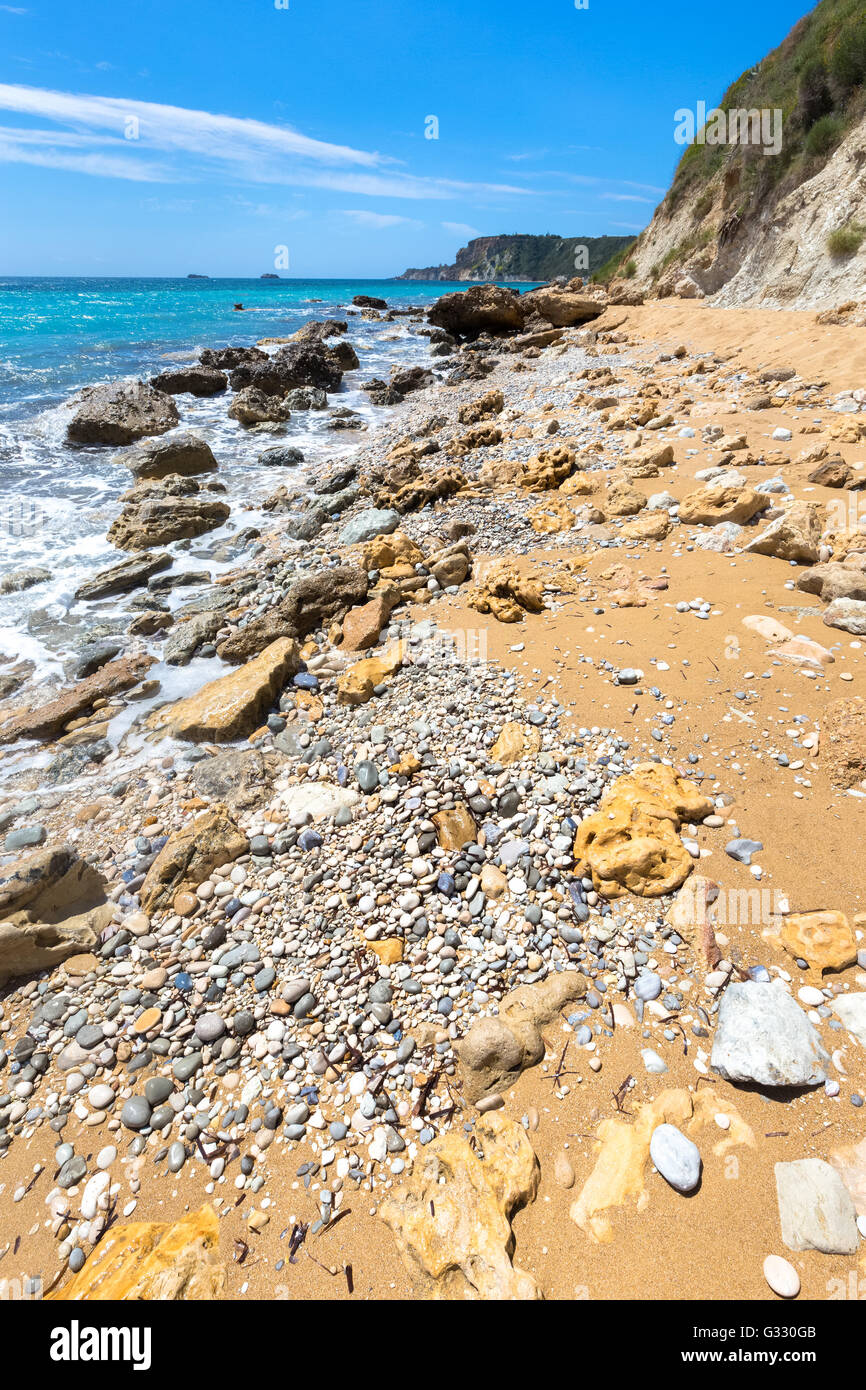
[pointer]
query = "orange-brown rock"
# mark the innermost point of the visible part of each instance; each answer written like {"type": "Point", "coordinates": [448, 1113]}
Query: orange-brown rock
{"type": "Point", "coordinates": [652, 526]}
{"type": "Point", "coordinates": [515, 742]}
{"type": "Point", "coordinates": [190, 855]}
{"type": "Point", "coordinates": [451, 1218]}
{"type": "Point", "coordinates": [621, 499]}
{"type": "Point", "coordinates": [825, 939]}
{"type": "Point", "coordinates": [152, 1260]}
{"type": "Point", "coordinates": [46, 721]}
{"type": "Point", "coordinates": [356, 685]}
{"type": "Point", "coordinates": [362, 625]}
{"type": "Point", "coordinates": [504, 592]}
{"type": "Point", "coordinates": [491, 403]}
{"type": "Point", "coordinates": [579, 484]}
{"type": "Point", "coordinates": [710, 505]}
{"type": "Point", "coordinates": [53, 906]}
{"type": "Point", "coordinates": [843, 741]}
{"type": "Point", "coordinates": [632, 843]}
{"type": "Point", "coordinates": [232, 706]}
{"type": "Point", "coordinates": [548, 469]}
{"type": "Point", "coordinates": [384, 551]}
{"type": "Point", "coordinates": [455, 827]}
{"type": "Point", "coordinates": [550, 517]}
{"type": "Point", "coordinates": [482, 436]}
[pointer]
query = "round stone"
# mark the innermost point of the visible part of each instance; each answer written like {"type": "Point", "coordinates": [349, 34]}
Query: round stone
{"type": "Point", "coordinates": [209, 1027]}
{"type": "Point", "coordinates": [135, 1113]}
{"type": "Point", "coordinates": [176, 1157]}
{"type": "Point", "coordinates": [676, 1157]}
{"type": "Point", "coordinates": [148, 1020]}
{"type": "Point", "coordinates": [157, 1089]}
{"type": "Point", "coordinates": [648, 987]}
{"type": "Point", "coordinates": [101, 1097]}
{"type": "Point", "coordinates": [782, 1277]}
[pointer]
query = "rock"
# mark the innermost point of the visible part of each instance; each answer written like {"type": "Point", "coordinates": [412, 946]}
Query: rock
{"type": "Point", "coordinates": [833, 472]}
{"type": "Point", "coordinates": [781, 1276]}
{"type": "Point", "coordinates": [851, 1008]}
{"type": "Point", "coordinates": [843, 741]}
{"type": "Point", "coordinates": [248, 641]}
{"type": "Point", "coordinates": [491, 403]}
{"type": "Point", "coordinates": [676, 1157]}
{"type": "Point", "coordinates": [225, 359]}
{"type": "Point", "coordinates": [561, 308]}
{"type": "Point", "coordinates": [691, 918]}
{"type": "Point", "coordinates": [232, 706]}
{"type": "Point", "coordinates": [825, 939]}
{"type": "Point", "coordinates": [515, 743]}
{"type": "Point", "coordinates": [769, 628]}
{"type": "Point", "coordinates": [150, 1261]}
{"type": "Point", "coordinates": [362, 625]}
{"type": "Point", "coordinates": [496, 1050]}
{"type": "Point", "coordinates": [504, 592]}
{"type": "Point", "coordinates": [131, 573]}
{"type": "Point", "coordinates": [548, 469]}
{"type": "Point", "coordinates": [384, 552]}
{"type": "Point", "coordinates": [850, 1164]}
{"type": "Point", "coordinates": [802, 651]}
{"type": "Point", "coordinates": [320, 800]}
{"type": "Point", "coordinates": [764, 1037]}
{"type": "Point", "coordinates": [455, 828]}
{"type": "Point", "coordinates": [319, 598]}
{"type": "Point", "coordinates": [357, 685]}
{"type": "Point", "coordinates": [849, 614]}
{"type": "Point", "coordinates": [46, 721]}
{"type": "Point", "coordinates": [632, 843]}
{"type": "Point", "coordinates": [369, 524]}
{"type": "Point", "coordinates": [563, 1173]}
{"type": "Point", "coordinates": [836, 579]}
{"type": "Point", "coordinates": [451, 1219]}
{"type": "Point", "coordinates": [619, 1175]}
{"type": "Point", "coordinates": [238, 777]}
{"type": "Point", "coordinates": [120, 414]}
{"type": "Point", "coordinates": [193, 381]}
{"type": "Point", "coordinates": [53, 906]}
{"type": "Point", "coordinates": [424, 491]}
{"type": "Point", "coordinates": [647, 528]}
{"type": "Point", "coordinates": [815, 1208]}
{"type": "Point", "coordinates": [17, 581]}
{"type": "Point", "coordinates": [369, 301]}
{"type": "Point", "coordinates": [312, 362]}
{"type": "Point", "coordinates": [280, 456]}
{"type": "Point", "coordinates": [621, 499]}
{"type": "Point", "coordinates": [182, 454]}
{"type": "Point", "coordinates": [482, 309]}
{"type": "Point", "coordinates": [153, 521]}
{"type": "Point", "coordinates": [795, 535]}
{"type": "Point", "coordinates": [190, 856]}
{"type": "Point", "coordinates": [254, 407]}
{"type": "Point", "coordinates": [187, 637]}
{"type": "Point", "coordinates": [712, 505]}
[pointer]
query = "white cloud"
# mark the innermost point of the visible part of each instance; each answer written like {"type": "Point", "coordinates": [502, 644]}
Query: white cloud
{"type": "Point", "coordinates": [250, 151]}
{"type": "Point", "coordinates": [13, 9]}
{"type": "Point", "coordinates": [626, 198]}
{"type": "Point", "coordinates": [461, 229]}
{"type": "Point", "coordinates": [378, 220]}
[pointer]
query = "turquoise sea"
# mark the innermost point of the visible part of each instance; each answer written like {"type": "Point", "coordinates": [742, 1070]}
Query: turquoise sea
{"type": "Point", "coordinates": [59, 335]}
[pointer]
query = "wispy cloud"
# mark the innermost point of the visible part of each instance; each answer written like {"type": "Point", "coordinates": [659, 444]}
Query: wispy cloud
{"type": "Point", "coordinates": [626, 198]}
{"type": "Point", "coordinates": [197, 142]}
{"type": "Point", "coordinates": [13, 9]}
{"type": "Point", "coordinates": [461, 229]}
{"type": "Point", "coordinates": [378, 220]}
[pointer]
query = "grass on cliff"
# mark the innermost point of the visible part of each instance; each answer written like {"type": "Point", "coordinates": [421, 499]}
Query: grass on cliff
{"type": "Point", "coordinates": [817, 78]}
{"type": "Point", "coordinates": [847, 240]}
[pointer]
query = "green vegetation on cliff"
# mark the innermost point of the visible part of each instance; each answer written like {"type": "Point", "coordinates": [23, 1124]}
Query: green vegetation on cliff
{"type": "Point", "coordinates": [525, 257]}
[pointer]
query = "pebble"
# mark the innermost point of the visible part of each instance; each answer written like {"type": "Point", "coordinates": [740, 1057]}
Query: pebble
{"type": "Point", "coordinates": [676, 1158]}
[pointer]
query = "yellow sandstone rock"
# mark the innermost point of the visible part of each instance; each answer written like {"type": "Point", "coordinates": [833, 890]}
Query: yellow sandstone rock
{"type": "Point", "coordinates": [825, 939]}
{"type": "Point", "coordinates": [232, 706]}
{"type": "Point", "coordinates": [517, 741]}
{"type": "Point", "coordinates": [504, 592]}
{"type": "Point", "coordinates": [451, 1218]}
{"type": "Point", "coordinates": [149, 1260]}
{"type": "Point", "coordinates": [190, 855]}
{"type": "Point", "coordinates": [455, 828]}
{"type": "Point", "coordinates": [356, 686]}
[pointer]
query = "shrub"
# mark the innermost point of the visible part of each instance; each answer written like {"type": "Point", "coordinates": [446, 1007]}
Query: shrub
{"type": "Point", "coordinates": [825, 133]}
{"type": "Point", "coordinates": [845, 241]}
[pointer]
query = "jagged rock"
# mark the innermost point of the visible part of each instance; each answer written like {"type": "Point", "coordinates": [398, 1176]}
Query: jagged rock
{"type": "Point", "coordinates": [238, 777]}
{"type": "Point", "coordinates": [815, 1208]}
{"type": "Point", "coordinates": [796, 535]}
{"type": "Point", "coordinates": [836, 579]}
{"type": "Point", "coordinates": [190, 855]}
{"type": "Point", "coordinates": [182, 454]}
{"type": "Point", "coordinates": [194, 381]}
{"type": "Point", "coordinates": [495, 1051]}
{"type": "Point", "coordinates": [632, 843]}
{"type": "Point", "coordinates": [254, 407]}
{"type": "Point", "coordinates": [451, 1218]}
{"type": "Point", "coordinates": [548, 469]}
{"type": "Point", "coordinates": [619, 1175]}
{"type": "Point", "coordinates": [404, 380]}
{"type": "Point", "coordinates": [516, 742]}
{"type": "Point", "coordinates": [561, 308]}
{"type": "Point", "coordinates": [52, 906]}
{"type": "Point", "coordinates": [504, 592]}
{"type": "Point", "coordinates": [46, 721]}
{"type": "Point", "coordinates": [226, 359]}
{"type": "Point", "coordinates": [310, 363]}
{"type": "Point", "coordinates": [843, 741]}
{"type": "Point", "coordinates": [319, 329]}
{"type": "Point", "coordinates": [621, 499]}
{"type": "Point", "coordinates": [384, 552]}
{"type": "Point", "coordinates": [160, 520]}
{"type": "Point", "coordinates": [709, 506]}
{"type": "Point", "coordinates": [763, 1036]}
{"type": "Point", "coordinates": [362, 624]}
{"type": "Point", "coordinates": [552, 516]}
{"type": "Point", "coordinates": [478, 437]}
{"type": "Point", "coordinates": [691, 918]}
{"type": "Point", "coordinates": [319, 598]}
{"type": "Point", "coordinates": [482, 309]}
{"type": "Point", "coordinates": [232, 706]}
{"type": "Point", "coordinates": [833, 472]}
{"type": "Point", "coordinates": [18, 581]}
{"type": "Point", "coordinates": [188, 636]}
{"type": "Point", "coordinates": [825, 939]}
{"type": "Point", "coordinates": [369, 301]}
{"type": "Point", "coordinates": [132, 573]}
{"type": "Point", "coordinates": [121, 413]}
{"type": "Point", "coordinates": [423, 492]}
{"type": "Point", "coordinates": [491, 403]}
{"type": "Point", "coordinates": [153, 1261]}
{"type": "Point", "coordinates": [848, 614]}
{"type": "Point", "coordinates": [356, 686]}
{"type": "Point", "coordinates": [455, 827]}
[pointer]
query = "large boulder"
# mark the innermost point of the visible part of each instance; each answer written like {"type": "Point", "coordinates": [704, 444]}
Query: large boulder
{"type": "Point", "coordinates": [369, 301]}
{"type": "Point", "coordinates": [153, 1261]}
{"type": "Point", "coordinates": [764, 1037]}
{"type": "Point", "coordinates": [154, 518]}
{"type": "Point", "coordinates": [481, 309]}
{"type": "Point", "coordinates": [848, 614]}
{"type": "Point", "coordinates": [120, 413]}
{"type": "Point", "coordinates": [316, 600]}
{"type": "Point", "coordinates": [451, 1218]}
{"type": "Point", "coordinates": [311, 363]}
{"type": "Point", "coordinates": [710, 505]}
{"type": "Point", "coordinates": [132, 573]}
{"type": "Point", "coordinates": [182, 454]}
{"type": "Point", "coordinates": [254, 407]}
{"type": "Point", "coordinates": [836, 579]}
{"type": "Point", "coordinates": [232, 706]}
{"type": "Point", "coordinates": [795, 535]}
{"type": "Point", "coordinates": [560, 307]}
{"type": "Point", "coordinates": [48, 720]}
{"type": "Point", "coordinates": [227, 358]}
{"type": "Point", "coordinates": [53, 905]}
{"type": "Point", "coordinates": [190, 855]}
{"type": "Point", "coordinates": [193, 381]}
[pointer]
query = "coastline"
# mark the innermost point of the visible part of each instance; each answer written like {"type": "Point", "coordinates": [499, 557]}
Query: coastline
{"type": "Point", "coordinates": [609, 601]}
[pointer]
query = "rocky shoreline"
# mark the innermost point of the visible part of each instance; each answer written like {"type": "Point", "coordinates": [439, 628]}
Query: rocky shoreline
{"type": "Point", "coordinates": [297, 935]}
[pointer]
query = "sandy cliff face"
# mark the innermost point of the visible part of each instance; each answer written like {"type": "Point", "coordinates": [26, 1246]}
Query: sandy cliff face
{"type": "Point", "coordinates": [780, 256]}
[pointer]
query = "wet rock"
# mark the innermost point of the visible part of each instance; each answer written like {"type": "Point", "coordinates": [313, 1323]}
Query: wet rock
{"type": "Point", "coordinates": [161, 520]}
{"type": "Point", "coordinates": [17, 581]}
{"type": "Point", "coordinates": [232, 706]}
{"type": "Point", "coordinates": [131, 573]}
{"type": "Point", "coordinates": [48, 720]}
{"type": "Point", "coordinates": [254, 407]}
{"type": "Point", "coordinates": [120, 413]}
{"type": "Point", "coordinates": [182, 454]}
{"type": "Point", "coordinates": [194, 381]}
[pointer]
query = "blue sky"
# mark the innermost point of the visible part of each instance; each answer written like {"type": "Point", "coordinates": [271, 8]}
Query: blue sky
{"type": "Point", "coordinates": [158, 137]}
